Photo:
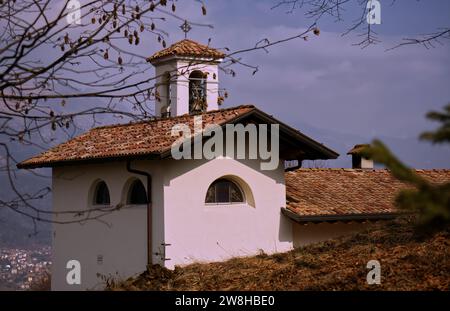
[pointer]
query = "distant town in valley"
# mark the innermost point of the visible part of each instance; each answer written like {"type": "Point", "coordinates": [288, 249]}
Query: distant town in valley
{"type": "Point", "coordinates": [19, 267]}
{"type": "Point", "coordinates": [25, 252]}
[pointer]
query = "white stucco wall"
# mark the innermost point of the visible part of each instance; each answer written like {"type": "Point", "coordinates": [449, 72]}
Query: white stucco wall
{"type": "Point", "coordinates": [120, 237]}
{"type": "Point", "coordinates": [201, 232]}
{"type": "Point", "coordinates": [366, 163]}
{"type": "Point", "coordinates": [314, 233]}
{"type": "Point", "coordinates": [194, 230]}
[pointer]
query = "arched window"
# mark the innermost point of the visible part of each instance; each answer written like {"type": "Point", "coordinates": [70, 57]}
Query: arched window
{"type": "Point", "coordinates": [137, 193]}
{"type": "Point", "coordinates": [197, 91]}
{"type": "Point", "coordinates": [224, 191]}
{"type": "Point", "coordinates": [101, 194]}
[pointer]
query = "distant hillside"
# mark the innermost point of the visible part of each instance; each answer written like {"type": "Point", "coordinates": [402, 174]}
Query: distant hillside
{"type": "Point", "coordinates": [18, 232]}
{"type": "Point", "coordinates": [409, 261]}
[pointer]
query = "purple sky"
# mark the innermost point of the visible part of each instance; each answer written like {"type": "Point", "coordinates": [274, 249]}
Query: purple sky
{"type": "Point", "coordinates": [328, 84]}
{"type": "Point", "coordinates": [335, 92]}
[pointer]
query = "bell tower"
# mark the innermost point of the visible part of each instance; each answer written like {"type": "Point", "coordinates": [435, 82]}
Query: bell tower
{"type": "Point", "coordinates": [187, 78]}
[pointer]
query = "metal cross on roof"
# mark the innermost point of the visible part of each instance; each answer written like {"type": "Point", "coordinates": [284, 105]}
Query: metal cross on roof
{"type": "Point", "coordinates": [186, 27]}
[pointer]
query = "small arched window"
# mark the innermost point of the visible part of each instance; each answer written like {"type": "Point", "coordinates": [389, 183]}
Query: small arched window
{"type": "Point", "coordinates": [224, 191]}
{"type": "Point", "coordinates": [197, 92]}
{"type": "Point", "coordinates": [101, 194]}
{"type": "Point", "coordinates": [137, 194]}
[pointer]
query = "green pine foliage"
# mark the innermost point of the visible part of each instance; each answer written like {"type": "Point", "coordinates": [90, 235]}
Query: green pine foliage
{"type": "Point", "coordinates": [442, 134]}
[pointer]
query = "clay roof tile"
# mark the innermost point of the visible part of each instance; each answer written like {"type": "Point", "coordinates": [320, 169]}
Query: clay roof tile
{"type": "Point", "coordinates": [187, 47]}
{"type": "Point", "coordinates": [122, 140]}
{"type": "Point", "coordinates": [332, 192]}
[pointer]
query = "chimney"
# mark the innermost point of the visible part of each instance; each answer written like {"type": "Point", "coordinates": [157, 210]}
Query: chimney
{"type": "Point", "coordinates": [359, 161]}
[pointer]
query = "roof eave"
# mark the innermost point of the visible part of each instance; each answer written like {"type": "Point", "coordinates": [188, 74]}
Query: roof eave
{"type": "Point", "coordinates": [170, 57]}
{"type": "Point", "coordinates": [97, 160]}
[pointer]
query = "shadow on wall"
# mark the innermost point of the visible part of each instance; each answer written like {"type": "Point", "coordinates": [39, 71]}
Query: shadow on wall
{"type": "Point", "coordinates": [305, 234]}
{"type": "Point", "coordinates": [285, 231]}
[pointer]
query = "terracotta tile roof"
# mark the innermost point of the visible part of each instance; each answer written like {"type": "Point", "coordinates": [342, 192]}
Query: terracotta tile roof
{"type": "Point", "coordinates": [152, 139]}
{"type": "Point", "coordinates": [338, 192]}
{"type": "Point", "coordinates": [187, 47]}
{"type": "Point", "coordinates": [124, 140]}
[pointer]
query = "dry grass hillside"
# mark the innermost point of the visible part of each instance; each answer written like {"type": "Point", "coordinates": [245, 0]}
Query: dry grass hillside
{"type": "Point", "coordinates": [409, 261]}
